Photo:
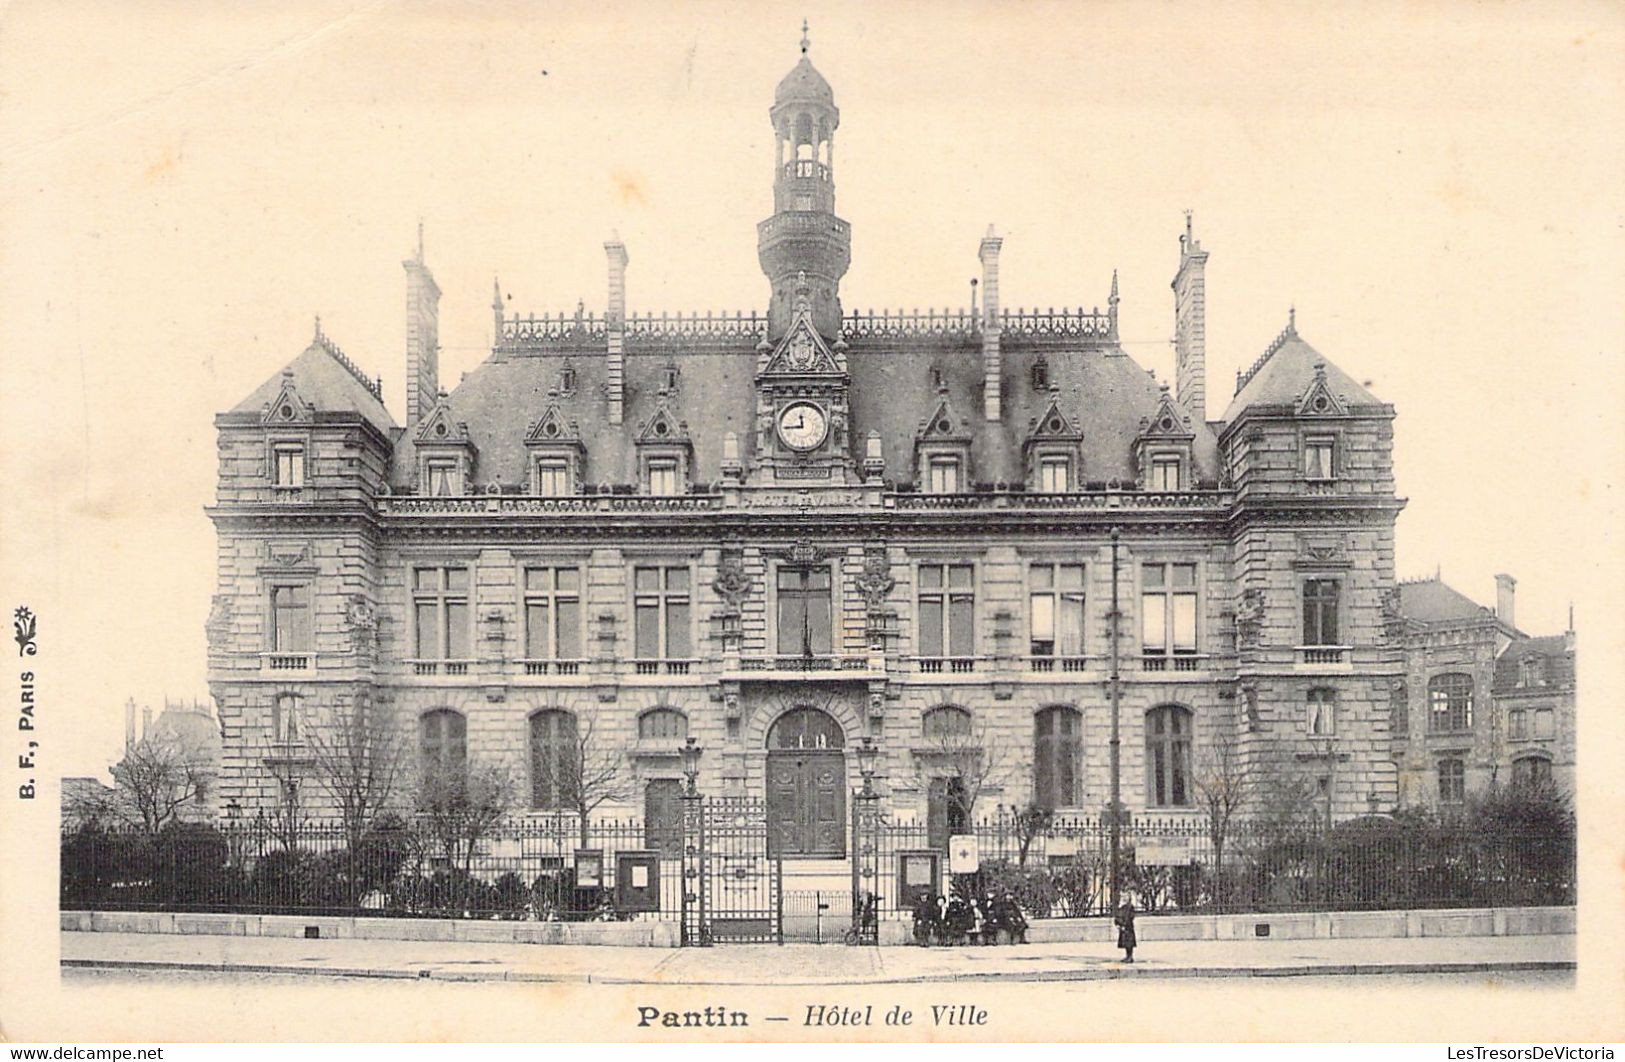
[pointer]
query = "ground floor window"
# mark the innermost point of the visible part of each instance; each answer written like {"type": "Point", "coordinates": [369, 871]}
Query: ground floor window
{"type": "Point", "coordinates": [1452, 781]}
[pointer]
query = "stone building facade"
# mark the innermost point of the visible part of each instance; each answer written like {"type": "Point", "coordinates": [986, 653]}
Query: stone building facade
{"type": "Point", "coordinates": [1481, 703]}
{"type": "Point", "coordinates": [789, 534]}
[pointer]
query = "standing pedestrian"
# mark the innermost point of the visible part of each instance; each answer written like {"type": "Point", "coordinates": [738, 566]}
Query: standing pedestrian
{"type": "Point", "coordinates": [1125, 929]}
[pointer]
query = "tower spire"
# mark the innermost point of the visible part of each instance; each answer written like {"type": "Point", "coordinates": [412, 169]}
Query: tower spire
{"type": "Point", "coordinates": [805, 43]}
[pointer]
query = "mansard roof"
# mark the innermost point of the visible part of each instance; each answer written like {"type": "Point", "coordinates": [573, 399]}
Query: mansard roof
{"type": "Point", "coordinates": [1285, 373]}
{"type": "Point", "coordinates": [327, 382]}
{"type": "Point", "coordinates": [1103, 392]}
{"type": "Point", "coordinates": [1431, 601]}
{"type": "Point", "coordinates": [1555, 650]}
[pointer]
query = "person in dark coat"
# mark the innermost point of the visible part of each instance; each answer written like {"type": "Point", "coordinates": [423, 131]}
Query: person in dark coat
{"type": "Point", "coordinates": [1125, 929]}
{"type": "Point", "coordinates": [926, 923]}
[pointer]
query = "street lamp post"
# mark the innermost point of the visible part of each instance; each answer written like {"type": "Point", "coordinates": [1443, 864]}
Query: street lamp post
{"type": "Point", "coordinates": [865, 846]}
{"type": "Point", "coordinates": [691, 897]}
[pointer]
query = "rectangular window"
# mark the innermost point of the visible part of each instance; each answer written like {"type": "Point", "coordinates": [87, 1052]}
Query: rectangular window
{"type": "Point", "coordinates": [552, 613]}
{"type": "Point", "coordinates": [290, 618]}
{"type": "Point", "coordinates": [942, 475]}
{"type": "Point", "coordinates": [1055, 609]}
{"type": "Point", "coordinates": [1317, 457]}
{"type": "Point", "coordinates": [552, 479]}
{"type": "Point", "coordinates": [663, 477]}
{"type": "Point", "coordinates": [1545, 723]}
{"type": "Point", "coordinates": [444, 480]}
{"type": "Point", "coordinates": [1532, 771]}
{"type": "Point", "coordinates": [1450, 703]}
{"type": "Point", "coordinates": [1168, 608]}
{"type": "Point", "coordinates": [440, 611]}
{"type": "Point", "coordinates": [290, 466]}
{"type": "Point", "coordinates": [1322, 713]}
{"type": "Point", "coordinates": [1320, 612]}
{"type": "Point", "coordinates": [660, 601]}
{"type": "Point", "coordinates": [1165, 473]}
{"type": "Point", "coordinates": [1518, 723]}
{"type": "Point", "coordinates": [1452, 781]}
{"type": "Point", "coordinates": [947, 610]}
{"type": "Point", "coordinates": [804, 611]}
{"type": "Point", "coordinates": [1054, 475]}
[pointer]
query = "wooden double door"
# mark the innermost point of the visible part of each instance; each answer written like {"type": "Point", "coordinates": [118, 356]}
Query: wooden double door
{"type": "Point", "coordinates": [806, 803]}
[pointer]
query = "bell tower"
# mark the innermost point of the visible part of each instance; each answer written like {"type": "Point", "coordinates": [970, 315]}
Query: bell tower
{"type": "Point", "coordinates": [804, 243]}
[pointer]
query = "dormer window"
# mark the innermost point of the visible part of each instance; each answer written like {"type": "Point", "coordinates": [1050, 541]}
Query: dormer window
{"type": "Point", "coordinates": [943, 475]}
{"type": "Point", "coordinates": [1532, 672]}
{"type": "Point", "coordinates": [1319, 452]}
{"type": "Point", "coordinates": [668, 378]}
{"type": "Point", "coordinates": [1054, 475]}
{"type": "Point", "coordinates": [1041, 375]}
{"type": "Point", "coordinates": [445, 478]}
{"type": "Point", "coordinates": [553, 478]}
{"type": "Point", "coordinates": [289, 469]}
{"type": "Point", "coordinates": [663, 477]}
{"type": "Point", "coordinates": [1165, 472]}
{"type": "Point", "coordinates": [567, 379]}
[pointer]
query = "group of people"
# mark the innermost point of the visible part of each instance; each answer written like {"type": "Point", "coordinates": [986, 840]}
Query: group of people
{"type": "Point", "coordinates": [983, 918]}
{"type": "Point", "coordinates": [993, 918]}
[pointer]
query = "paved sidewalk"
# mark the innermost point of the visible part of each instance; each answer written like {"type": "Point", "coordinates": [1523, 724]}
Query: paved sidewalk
{"type": "Point", "coordinates": [810, 964]}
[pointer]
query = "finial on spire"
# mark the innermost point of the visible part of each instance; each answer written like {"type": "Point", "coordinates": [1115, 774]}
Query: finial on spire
{"type": "Point", "coordinates": [420, 241]}
{"type": "Point", "coordinates": [805, 43]}
{"type": "Point", "coordinates": [318, 333]}
{"type": "Point", "coordinates": [1113, 299]}
{"type": "Point", "coordinates": [1292, 320]}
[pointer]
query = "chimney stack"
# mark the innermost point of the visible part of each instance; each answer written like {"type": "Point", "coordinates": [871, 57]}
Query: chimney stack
{"type": "Point", "coordinates": [422, 337]}
{"type": "Point", "coordinates": [992, 363]}
{"type": "Point", "coordinates": [1190, 325]}
{"type": "Point", "coordinates": [615, 327]}
{"type": "Point", "coordinates": [1505, 585]}
{"type": "Point", "coordinates": [146, 722]}
{"type": "Point", "coordinates": [129, 723]}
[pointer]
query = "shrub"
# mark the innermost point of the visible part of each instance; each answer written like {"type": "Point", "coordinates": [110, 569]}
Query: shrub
{"type": "Point", "coordinates": [191, 866]}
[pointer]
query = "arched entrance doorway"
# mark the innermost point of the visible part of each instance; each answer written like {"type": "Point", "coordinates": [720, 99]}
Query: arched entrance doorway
{"type": "Point", "coordinates": [806, 786]}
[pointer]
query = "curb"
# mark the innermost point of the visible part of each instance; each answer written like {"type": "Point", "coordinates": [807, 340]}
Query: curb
{"type": "Point", "coordinates": [1103, 974]}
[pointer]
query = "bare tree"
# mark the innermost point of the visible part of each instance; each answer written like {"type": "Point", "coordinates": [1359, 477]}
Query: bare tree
{"type": "Point", "coordinates": [460, 804]}
{"type": "Point", "coordinates": [158, 780]}
{"type": "Point", "coordinates": [1226, 782]}
{"type": "Point", "coordinates": [591, 773]}
{"type": "Point", "coordinates": [968, 755]}
{"type": "Point", "coordinates": [357, 756]}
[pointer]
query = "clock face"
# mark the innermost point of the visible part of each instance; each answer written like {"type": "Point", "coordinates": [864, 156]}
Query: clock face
{"type": "Point", "coordinates": [802, 426]}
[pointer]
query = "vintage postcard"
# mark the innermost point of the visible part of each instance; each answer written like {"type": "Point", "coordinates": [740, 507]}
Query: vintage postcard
{"type": "Point", "coordinates": [509, 534]}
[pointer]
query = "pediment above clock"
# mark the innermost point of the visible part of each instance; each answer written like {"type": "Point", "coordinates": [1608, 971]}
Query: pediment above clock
{"type": "Point", "coordinates": [287, 407]}
{"type": "Point", "coordinates": [802, 352]}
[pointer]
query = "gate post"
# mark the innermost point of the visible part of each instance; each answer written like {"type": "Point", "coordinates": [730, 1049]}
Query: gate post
{"type": "Point", "coordinates": [866, 851]}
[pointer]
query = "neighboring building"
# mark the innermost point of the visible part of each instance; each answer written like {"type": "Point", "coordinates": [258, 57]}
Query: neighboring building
{"type": "Point", "coordinates": [84, 800]}
{"type": "Point", "coordinates": [1481, 702]}
{"type": "Point", "coordinates": [787, 534]}
{"type": "Point", "coordinates": [193, 732]}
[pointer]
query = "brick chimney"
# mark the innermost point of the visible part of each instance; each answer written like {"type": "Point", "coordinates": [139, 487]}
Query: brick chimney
{"type": "Point", "coordinates": [1505, 585]}
{"type": "Point", "coordinates": [1190, 325]}
{"type": "Point", "coordinates": [129, 723]}
{"type": "Point", "coordinates": [992, 359]}
{"type": "Point", "coordinates": [422, 337]}
{"type": "Point", "coordinates": [615, 327]}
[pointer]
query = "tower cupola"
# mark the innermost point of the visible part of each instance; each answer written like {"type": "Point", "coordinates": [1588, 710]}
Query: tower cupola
{"type": "Point", "coordinates": [804, 237]}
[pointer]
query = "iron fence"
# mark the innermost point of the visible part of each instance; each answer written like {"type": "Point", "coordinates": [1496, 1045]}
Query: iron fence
{"type": "Point", "coordinates": [1064, 868]}
{"type": "Point", "coordinates": [547, 870]}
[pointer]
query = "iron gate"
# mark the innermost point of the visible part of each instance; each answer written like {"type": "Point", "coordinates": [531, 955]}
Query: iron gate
{"type": "Point", "coordinates": [733, 890]}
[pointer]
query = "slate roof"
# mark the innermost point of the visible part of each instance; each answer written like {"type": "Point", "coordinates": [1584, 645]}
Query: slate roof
{"type": "Point", "coordinates": [804, 83]}
{"type": "Point", "coordinates": [1431, 601]}
{"type": "Point", "coordinates": [1554, 649]}
{"type": "Point", "coordinates": [326, 384]}
{"type": "Point", "coordinates": [1285, 373]}
{"type": "Point", "coordinates": [1102, 390]}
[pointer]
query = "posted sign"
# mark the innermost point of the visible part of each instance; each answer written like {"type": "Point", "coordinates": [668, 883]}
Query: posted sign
{"type": "Point", "coordinates": [1163, 852]}
{"type": "Point", "coordinates": [964, 854]}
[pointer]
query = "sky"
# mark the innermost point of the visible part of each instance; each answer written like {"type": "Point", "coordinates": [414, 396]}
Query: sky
{"type": "Point", "coordinates": [1435, 189]}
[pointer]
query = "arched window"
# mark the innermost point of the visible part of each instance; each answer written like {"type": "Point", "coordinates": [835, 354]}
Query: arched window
{"type": "Point", "coordinates": [1057, 748]}
{"type": "Point", "coordinates": [1322, 717]}
{"type": "Point", "coordinates": [1531, 771]}
{"type": "Point", "coordinates": [285, 722]}
{"type": "Point", "coordinates": [1450, 703]}
{"type": "Point", "coordinates": [1168, 756]}
{"type": "Point", "coordinates": [443, 739]}
{"type": "Point", "coordinates": [555, 759]}
{"type": "Point", "coordinates": [662, 724]}
{"type": "Point", "coordinates": [945, 723]}
{"type": "Point", "coordinates": [806, 728]}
